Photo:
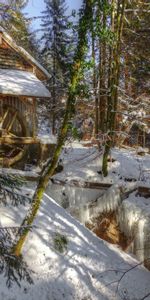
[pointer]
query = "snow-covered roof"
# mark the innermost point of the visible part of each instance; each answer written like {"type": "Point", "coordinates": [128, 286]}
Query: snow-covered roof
{"type": "Point", "coordinates": [21, 83]}
{"type": "Point", "coordinates": [23, 52]}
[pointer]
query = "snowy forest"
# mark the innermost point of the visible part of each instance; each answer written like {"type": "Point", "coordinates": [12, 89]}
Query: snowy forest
{"type": "Point", "coordinates": [74, 150]}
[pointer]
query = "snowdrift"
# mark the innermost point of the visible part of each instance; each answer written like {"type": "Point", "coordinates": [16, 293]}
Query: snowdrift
{"type": "Point", "coordinates": [85, 268]}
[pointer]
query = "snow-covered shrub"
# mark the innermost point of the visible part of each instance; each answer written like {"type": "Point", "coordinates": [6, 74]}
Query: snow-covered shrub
{"type": "Point", "coordinates": [60, 242]}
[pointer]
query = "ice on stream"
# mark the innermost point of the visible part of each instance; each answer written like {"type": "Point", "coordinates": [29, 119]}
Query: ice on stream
{"type": "Point", "coordinates": [72, 198]}
{"type": "Point", "coordinates": [108, 202]}
{"type": "Point", "coordinates": [134, 220]}
{"type": "Point", "coordinates": [133, 213]}
{"type": "Point", "coordinates": [85, 203]}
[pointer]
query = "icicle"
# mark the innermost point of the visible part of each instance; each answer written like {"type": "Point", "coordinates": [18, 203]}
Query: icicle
{"type": "Point", "coordinates": [107, 203]}
{"type": "Point", "coordinates": [135, 224]}
{"type": "Point", "coordinates": [139, 240]}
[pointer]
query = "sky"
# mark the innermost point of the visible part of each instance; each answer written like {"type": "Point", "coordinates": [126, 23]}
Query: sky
{"type": "Point", "coordinates": [34, 8]}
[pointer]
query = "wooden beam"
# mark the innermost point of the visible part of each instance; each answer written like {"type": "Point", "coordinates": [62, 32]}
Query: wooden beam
{"type": "Point", "coordinates": [1, 40]}
{"type": "Point", "coordinates": [34, 118]}
{"type": "Point", "coordinates": [12, 121]}
{"type": "Point", "coordinates": [3, 118]}
{"type": "Point", "coordinates": [28, 96]}
{"type": "Point", "coordinates": [18, 140]}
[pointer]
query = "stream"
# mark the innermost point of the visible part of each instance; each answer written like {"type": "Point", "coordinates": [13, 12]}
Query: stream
{"type": "Point", "coordinates": [107, 215]}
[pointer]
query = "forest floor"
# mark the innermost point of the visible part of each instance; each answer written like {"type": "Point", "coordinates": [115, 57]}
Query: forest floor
{"type": "Point", "coordinates": [126, 166]}
{"type": "Point", "coordinates": [68, 261]}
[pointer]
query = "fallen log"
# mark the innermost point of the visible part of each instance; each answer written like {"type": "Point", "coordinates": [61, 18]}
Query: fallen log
{"type": "Point", "coordinates": [125, 195]}
{"type": "Point", "coordinates": [143, 191]}
{"type": "Point", "coordinates": [82, 184]}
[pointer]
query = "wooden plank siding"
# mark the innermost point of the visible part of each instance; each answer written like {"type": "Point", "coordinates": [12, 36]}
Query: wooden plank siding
{"type": "Point", "coordinates": [10, 59]}
{"type": "Point", "coordinates": [23, 105]}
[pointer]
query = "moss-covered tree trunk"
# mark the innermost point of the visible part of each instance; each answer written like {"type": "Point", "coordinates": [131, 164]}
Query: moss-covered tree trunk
{"type": "Point", "coordinates": [102, 75]}
{"type": "Point", "coordinates": [117, 21]}
{"type": "Point", "coordinates": [84, 25]}
{"type": "Point", "coordinates": [54, 98]}
{"type": "Point", "coordinates": [95, 26]}
{"type": "Point", "coordinates": [94, 79]}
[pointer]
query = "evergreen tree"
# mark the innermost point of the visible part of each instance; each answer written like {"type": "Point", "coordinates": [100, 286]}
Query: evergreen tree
{"type": "Point", "coordinates": [18, 25]}
{"type": "Point", "coordinates": [56, 50]}
{"type": "Point", "coordinates": [137, 42]}
{"type": "Point", "coordinates": [14, 270]}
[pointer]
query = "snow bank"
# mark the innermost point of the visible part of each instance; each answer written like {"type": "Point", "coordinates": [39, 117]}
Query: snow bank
{"type": "Point", "coordinates": [127, 170]}
{"type": "Point", "coordinates": [89, 268]}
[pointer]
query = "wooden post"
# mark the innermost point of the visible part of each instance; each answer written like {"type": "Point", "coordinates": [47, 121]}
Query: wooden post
{"type": "Point", "coordinates": [0, 38]}
{"type": "Point", "coordinates": [144, 138]}
{"type": "Point", "coordinates": [34, 117]}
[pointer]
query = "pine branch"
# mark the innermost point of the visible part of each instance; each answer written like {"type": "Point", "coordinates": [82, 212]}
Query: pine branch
{"type": "Point", "coordinates": [11, 181]}
{"type": "Point", "coordinates": [14, 268]}
{"type": "Point", "coordinates": [11, 192]}
{"type": "Point", "coordinates": [12, 196]}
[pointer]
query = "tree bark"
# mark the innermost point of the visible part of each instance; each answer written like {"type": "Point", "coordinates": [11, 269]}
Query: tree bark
{"type": "Point", "coordinates": [94, 81]}
{"type": "Point", "coordinates": [84, 25]}
{"type": "Point", "coordinates": [114, 79]}
{"type": "Point", "coordinates": [102, 74]}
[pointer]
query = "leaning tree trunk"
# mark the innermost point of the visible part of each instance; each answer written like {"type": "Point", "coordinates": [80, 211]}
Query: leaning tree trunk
{"type": "Point", "coordinates": [114, 80]}
{"type": "Point", "coordinates": [48, 171]}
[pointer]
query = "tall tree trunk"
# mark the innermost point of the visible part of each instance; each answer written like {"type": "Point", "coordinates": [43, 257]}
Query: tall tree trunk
{"type": "Point", "coordinates": [54, 81]}
{"type": "Point", "coordinates": [94, 81]}
{"type": "Point", "coordinates": [84, 25]}
{"type": "Point", "coordinates": [114, 80]}
{"type": "Point", "coordinates": [102, 74]}
{"type": "Point", "coordinates": [94, 77]}
{"type": "Point", "coordinates": [54, 96]}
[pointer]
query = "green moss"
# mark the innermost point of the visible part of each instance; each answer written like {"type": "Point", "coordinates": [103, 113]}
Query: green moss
{"type": "Point", "coordinates": [60, 242]}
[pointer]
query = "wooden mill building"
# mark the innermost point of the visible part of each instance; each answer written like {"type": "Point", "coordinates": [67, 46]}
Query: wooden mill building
{"type": "Point", "coordinates": [21, 83]}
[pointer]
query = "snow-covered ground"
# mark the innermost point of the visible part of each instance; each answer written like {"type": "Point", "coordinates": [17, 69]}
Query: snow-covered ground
{"type": "Point", "coordinates": [84, 163]}
{"type": "Point", "coordinates": [127, 169]}
{"type": "Point", "coordinates": [88, 269]}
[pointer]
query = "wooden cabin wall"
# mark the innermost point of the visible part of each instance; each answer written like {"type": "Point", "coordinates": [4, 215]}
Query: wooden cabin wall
{"type": "Point", "coordinates": [13, 58]}
{"type": "Point", "coordinates": [23, 105]}
{"type": "Point", "coordinates": [10, 59]}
